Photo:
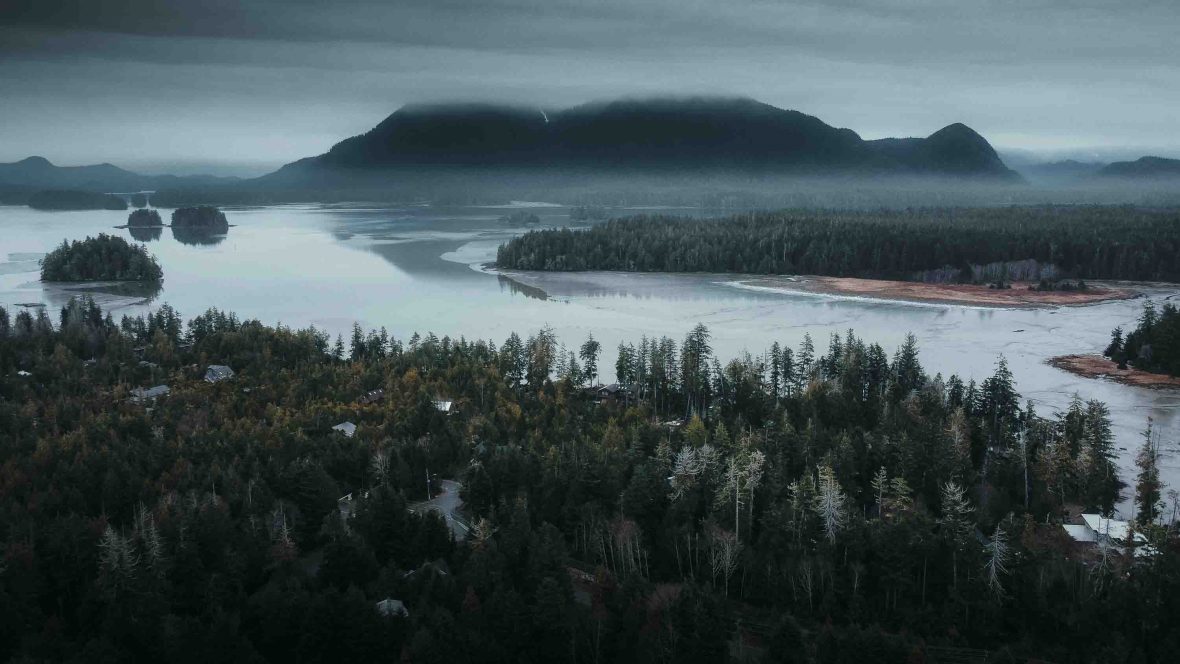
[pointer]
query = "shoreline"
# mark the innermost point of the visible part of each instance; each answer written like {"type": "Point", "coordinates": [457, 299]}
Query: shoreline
{"type": "Point", "coordinates": [1018, 297]}
{"type": "Point", "coordinates": [1092, 365]}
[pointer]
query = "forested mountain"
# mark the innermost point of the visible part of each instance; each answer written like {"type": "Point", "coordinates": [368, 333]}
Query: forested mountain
{"type": "Point", "coordinates": [1144, 167]}
{"type": "Point", "coordinates": [690, 135]}
{"type": "Point", "coordinates": [954, 244]}
{"type": "Point", "coordinates": [808, 505]}
{"type": "Point", "coordinates": [36, 173]}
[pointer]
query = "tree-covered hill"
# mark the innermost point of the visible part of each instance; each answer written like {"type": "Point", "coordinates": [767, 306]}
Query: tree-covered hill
{"type": "Point", "coordinates": [963, 244]}
{"type": "Point", "coordinates": [102, 258]}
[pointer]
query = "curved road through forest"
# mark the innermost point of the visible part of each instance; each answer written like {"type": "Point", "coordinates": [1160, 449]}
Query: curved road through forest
{"type": "Point", "coordinates": [447, 503]}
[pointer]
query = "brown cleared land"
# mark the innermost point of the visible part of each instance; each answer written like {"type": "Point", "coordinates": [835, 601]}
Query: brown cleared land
{"type": "Point", "coordinates": [1096, 366]}
{"type": "Point", "coordinates": [964, 294]}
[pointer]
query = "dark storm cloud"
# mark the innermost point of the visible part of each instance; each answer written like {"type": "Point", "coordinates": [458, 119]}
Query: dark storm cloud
{"type": "Point", "coordinates": [127, 80]}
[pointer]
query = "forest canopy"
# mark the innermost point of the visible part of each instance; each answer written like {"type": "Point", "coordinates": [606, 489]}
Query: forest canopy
{"type": "Point", "coordinates": [810, 504]}
{"type": "Point", "coordinates": [102, 258]}
{"type": "Point", "coordinates": [929, 244]}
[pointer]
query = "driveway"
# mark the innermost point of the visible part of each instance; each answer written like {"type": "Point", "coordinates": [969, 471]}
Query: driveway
{"type": "Point", "coordinates": [447, 503]}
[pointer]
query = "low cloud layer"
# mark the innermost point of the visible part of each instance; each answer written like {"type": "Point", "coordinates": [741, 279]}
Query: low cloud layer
{"type": "Point", "coordinates": [170, 81]}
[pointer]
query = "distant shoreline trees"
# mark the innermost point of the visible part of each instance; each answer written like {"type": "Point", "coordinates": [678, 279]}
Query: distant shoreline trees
{"type": "Point", "coordinates": [971, 245]}
{"type": "Point", "coordinates": [102, 258]}
{"type": "Point", "coordinates": [63, 199]}
{"type": "Point", "coordinates": [1154, 345]}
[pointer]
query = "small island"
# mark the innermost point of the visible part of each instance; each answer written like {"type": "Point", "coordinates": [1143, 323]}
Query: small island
{"type": "Point", "coordinates": [204, 218]}
{"type": "Point", "coordinates": [102, 258]}
{"type": "Point", "coordinates": [62, 199]}
{"type": "Point", "coordinates": [143, 218]}
{"type": "Point", "coordinates": [520, 218]}
{"type": "Point", "coordinates": [1148, 356]}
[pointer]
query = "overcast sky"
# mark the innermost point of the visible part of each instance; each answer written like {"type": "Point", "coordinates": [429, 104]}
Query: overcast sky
{"type": "Point", "coordinates": [188, 83]}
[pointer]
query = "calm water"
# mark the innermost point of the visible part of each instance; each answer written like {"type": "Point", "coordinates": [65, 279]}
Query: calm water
{"type": "Point", "coordinates": [418, 269]}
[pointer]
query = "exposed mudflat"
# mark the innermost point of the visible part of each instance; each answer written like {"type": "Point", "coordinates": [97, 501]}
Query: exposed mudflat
{"type": "Point", "coordinates": [1097, 366]}
{"type": "Point", "coordinates": [1018, 295]}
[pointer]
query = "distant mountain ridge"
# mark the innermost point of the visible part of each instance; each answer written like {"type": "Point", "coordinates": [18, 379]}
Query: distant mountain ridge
{"type": "Point", "coordinates": [691, 134]}
{"type": "Point", "coordinates": [40, 173]}
{"type": "Point", "coordinates": [1144, 167]}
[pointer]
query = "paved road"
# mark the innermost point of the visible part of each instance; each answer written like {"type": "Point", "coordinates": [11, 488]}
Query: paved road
{"type": "Point", "coordinates": [446, 503]}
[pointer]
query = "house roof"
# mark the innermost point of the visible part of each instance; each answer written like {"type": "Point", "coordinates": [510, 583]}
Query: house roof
{"type": "Point", "coordinates": [372, 396]}
{"type": "Point", "coordinates": [217, 372]}
{"type": "Point", "coordinates": [443, 405]}
{"type": "Point", "coordinates": [1080, 533]}
{"type": "Point", "coordinates": [147, 393]}
{"type": "Point", "coordinates": [1111, 528]}
{"type": "Point", "coordinates": [347, 428]}
{"type": "Point", "coordinates": [390, 607]}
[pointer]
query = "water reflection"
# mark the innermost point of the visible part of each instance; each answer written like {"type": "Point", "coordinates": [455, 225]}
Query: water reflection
{"type": "Point", "coordinates": [145, 233]}
{"type": "Point", "coordinates": [517, 288]}
{"type": "Point", "coordinates": [107, 294]}
{"type": "Point", "coordinates": [197, 236]}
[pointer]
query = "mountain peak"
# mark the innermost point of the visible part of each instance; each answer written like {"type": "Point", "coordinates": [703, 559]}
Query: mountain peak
{"type": "Point", "coordinates": [668, 133]}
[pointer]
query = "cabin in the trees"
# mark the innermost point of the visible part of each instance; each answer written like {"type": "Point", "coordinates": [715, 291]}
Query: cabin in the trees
{"type": "Point", "coordinates": [218, 372]}
{"type": "Point", "coordinates": [345, 505]}
{"type": "Point", "coordinates": [444, 405]}
{"type": "Point", "coordinates": [146, 394]}
{"type": "Point", "coordinates": [372, 397]}
{"type": "Point", "coordinates": [1096, 529]}
{"type": "Point", "coordinates": [346, 428]}
{"type": "Point", "coordinates": [392, 608]}
{"type": "Point", "coordinates": [609, 393]}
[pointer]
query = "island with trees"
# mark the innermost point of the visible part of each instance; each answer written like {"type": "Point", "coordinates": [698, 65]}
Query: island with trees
{"type": "Point", "coordinates": [959, 250]}
{"type": "Point", "coordinates": [200, 218]}
{"type": "Point", "coordinates": [144, 217]}
{"type": "Point", "coordinates": [102, 258]}
{"type": "Point", "coordinates": [804, 504]}
{"type": "Point", "coordinates": [64, 199]}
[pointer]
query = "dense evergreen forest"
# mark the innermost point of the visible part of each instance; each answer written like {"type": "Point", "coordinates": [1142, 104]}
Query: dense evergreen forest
{"type": "Point", "coordinates": [1154, 344]}
{"type": "Point", "coordinates": [796, 506]}
{"type": "Point", "coordinates": [932, 244]}
{"type": "Point", "coordinates": [102, 258]}
{"type": "Point", "coordinates": [144, 217]}
{"type": "Point", "coordinates": [202, 217]}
